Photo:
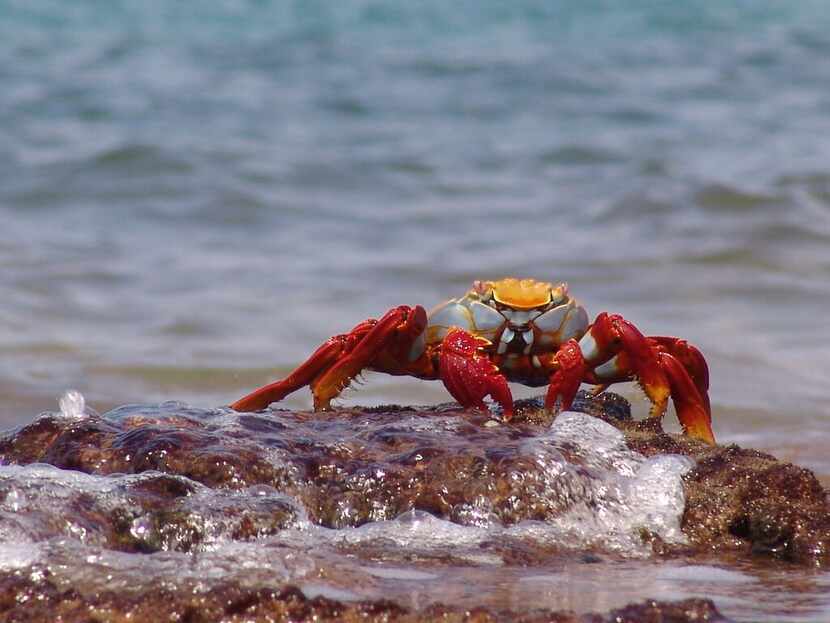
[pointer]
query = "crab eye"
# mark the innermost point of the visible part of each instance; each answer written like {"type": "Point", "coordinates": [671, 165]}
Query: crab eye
{"type": "Point", "coordinates": [559, 295]}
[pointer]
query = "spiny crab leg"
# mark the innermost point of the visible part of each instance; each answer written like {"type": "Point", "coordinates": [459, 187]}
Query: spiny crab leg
{"type": "Point", "coordinates": [469, 375]}
{"type": "Point", "coordinates": [401, 322]}
{"type": "Point", "coordinates": [341, 358]}
{"type": "Point", "coordinates": [614, 350]}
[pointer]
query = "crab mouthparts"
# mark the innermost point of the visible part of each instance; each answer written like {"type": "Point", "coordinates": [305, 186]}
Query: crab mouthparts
{"type": "Point", "coordinates": [516, 339]}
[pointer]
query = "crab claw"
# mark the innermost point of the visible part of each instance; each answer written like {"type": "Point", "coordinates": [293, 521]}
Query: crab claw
{"type": "Point", "coordinates": [564, 382]}
{"type": "Point", "coordinates": [469, 376]}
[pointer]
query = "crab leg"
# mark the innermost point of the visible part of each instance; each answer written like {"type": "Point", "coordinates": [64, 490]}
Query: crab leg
{"type": "Point", "coordinates": [342, 357]}
{"type": "Point", "coordinates": [692, 407]}
{"type": "Point", "coordinates": [604, 339]}
{"type": "Point", "coordinates": [611, 334]}
{"type": "Point", "coordinates": [614, 350]}
{"type": "Point", "coordinates": [570, 370]}
{"type": "Point", "coordinates": [470, 375]}
{"type": "Point", "coordinates": [403, 321]}
{"type": "Point", "coordinates": [692, 360]}
{"type": "Point", "coordinates": [323, 357]}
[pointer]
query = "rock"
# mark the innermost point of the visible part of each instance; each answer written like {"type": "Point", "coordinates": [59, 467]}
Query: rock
{"type": "Point", "coordinates": [152, 512]}
{"type": "Point", "coordinates": [24, 601]}
{"type": "Point", "coordinates": [747, 501]}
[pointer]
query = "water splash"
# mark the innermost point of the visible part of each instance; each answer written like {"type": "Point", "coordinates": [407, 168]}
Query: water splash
{"type": "Point", "coordinates": [617, 493]}
{"type": "Point", "coordinates": [72, 404]}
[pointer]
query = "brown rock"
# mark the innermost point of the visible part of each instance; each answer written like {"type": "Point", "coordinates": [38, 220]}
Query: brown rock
{"type": "Point", "coordinates": [25, 601]}
{"type": "Point", "coordinates": [185, 479]}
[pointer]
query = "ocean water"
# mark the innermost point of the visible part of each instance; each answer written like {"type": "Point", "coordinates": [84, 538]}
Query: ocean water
{"type": "Point", "coordinates": [193, 198]}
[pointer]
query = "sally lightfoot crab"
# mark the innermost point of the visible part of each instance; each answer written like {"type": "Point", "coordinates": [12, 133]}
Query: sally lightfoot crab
{"type": "Point", "coordinates": [517, 330]}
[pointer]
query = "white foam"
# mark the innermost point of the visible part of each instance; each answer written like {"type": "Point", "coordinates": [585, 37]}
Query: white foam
{"type": "Point", "coordinates": [598, 493]}
{"type": "Point", "coordinates": [596, 443]}
{"type": "Point", "coordinates": [612, 494]}
{"type": "Point", "coordinates": [414, 529]}
{"type": "Point", "coordinates": [39, 501]}
{"type": "Point", "coordinates": [606, 493]}
{"type": "Point", "coordinates": [17, 555]}
{"type": "Point", "coordinates": [72, 404]}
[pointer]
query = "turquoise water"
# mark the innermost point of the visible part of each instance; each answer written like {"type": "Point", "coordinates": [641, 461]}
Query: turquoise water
{"type": "Point", "coordinates": [193, 198]}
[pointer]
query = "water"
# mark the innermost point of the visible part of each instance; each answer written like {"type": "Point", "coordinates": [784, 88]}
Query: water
{"type": "Point", "coordinates": [190, 202]}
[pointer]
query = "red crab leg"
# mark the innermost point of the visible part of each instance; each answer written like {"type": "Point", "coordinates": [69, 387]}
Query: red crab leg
{"type": "Point", "coordinates": [403, 321]}
{"type": "Point", "coordinates": [611, 334]}
{"type": "Point", "coordinates": [469, 375]}
{"type": "Point", "coordinates": [571, 369]}
{"type": "Point", "coordinates": [323, 357]}
{"type": "Point", "coordinates": [691, 405]}
{"type": "Point", "coordinates": [664, 366]}
{"type": "Point", "coordinates": [688, 376]}
{"type": "Point", "coordinates": [692, 360]}
{"type": "Point", "coordinates": [606, 337]}
{"type": "Point", "coordinates": [334, 364]}
{"type": "Point", "coordinates": [692, 408]}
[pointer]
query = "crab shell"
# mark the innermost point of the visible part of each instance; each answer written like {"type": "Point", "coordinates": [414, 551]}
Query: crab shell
{"type": "Point", "coordinates": [519, 319]}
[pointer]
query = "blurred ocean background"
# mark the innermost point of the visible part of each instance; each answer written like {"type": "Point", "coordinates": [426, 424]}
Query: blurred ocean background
{"type": "Point", "coordinates": [193, 197]}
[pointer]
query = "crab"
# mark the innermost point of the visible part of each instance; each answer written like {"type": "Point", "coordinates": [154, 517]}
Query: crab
{"type": "Point", "coordinates": [509, 330]}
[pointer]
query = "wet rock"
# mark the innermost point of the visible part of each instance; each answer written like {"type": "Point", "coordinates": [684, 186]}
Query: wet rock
{"type": "Point", "coordinates": [677, 612]}
{"type": "Point", "coordinates": [742, 499]}
{"type": "Point", "coordinates": [745, 501]}
{"type": "Point", "coordinates": [169, 511]}
{"type": "Point", "coordinates": [352, 467]}
{"type": "Point", "coordinates": [23, 600]}
{"type": "Point", "coordinates": [737, 500]}
{"type": "Point", "coordinates": [143, 513]}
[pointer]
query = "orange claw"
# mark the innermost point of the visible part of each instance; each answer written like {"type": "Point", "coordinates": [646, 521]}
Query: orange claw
{"type": "Point", "coordinates": [469, 376]}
